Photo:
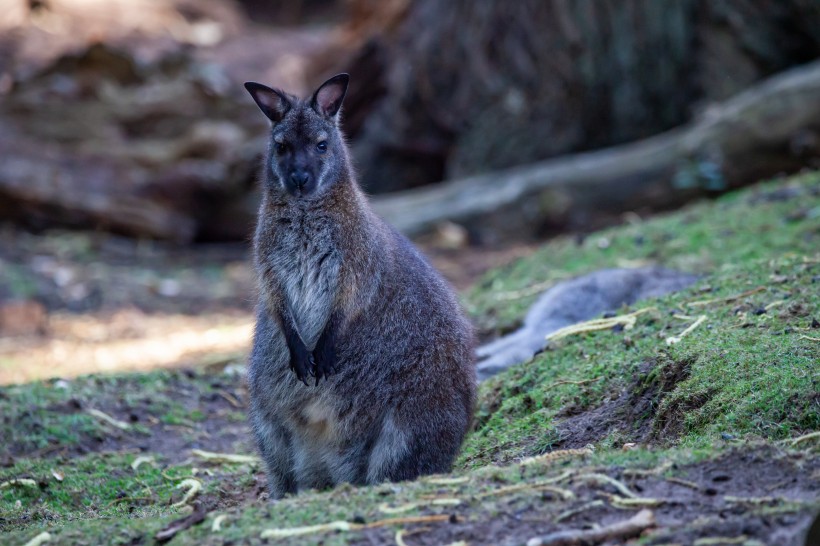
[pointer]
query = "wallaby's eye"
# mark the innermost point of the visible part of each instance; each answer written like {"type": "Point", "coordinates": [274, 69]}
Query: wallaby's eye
{"type": "Point", "coordinates": [322, 147]}
{"type": "Point", "coordinates": [280, 148]}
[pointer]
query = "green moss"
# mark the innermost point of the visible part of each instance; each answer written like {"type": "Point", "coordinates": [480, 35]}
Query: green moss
{"type": "Point", "coordinates": [54, 414]}
{"type": "Point", "coordinates": [750, 369]}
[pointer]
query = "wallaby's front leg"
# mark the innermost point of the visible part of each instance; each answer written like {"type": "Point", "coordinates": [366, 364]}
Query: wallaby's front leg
{"type": "Point", "coordinates": [301, 359]}
{"type": "Point", "coordinates": [324, 355]}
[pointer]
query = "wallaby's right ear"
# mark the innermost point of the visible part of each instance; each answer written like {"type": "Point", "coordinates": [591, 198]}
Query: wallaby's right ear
{"type": "Point", "coordinates": [272, 102]}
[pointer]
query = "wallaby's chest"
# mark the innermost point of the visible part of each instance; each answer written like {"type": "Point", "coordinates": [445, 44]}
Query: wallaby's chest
{"type": "Point", "coordinates": [304, 261]}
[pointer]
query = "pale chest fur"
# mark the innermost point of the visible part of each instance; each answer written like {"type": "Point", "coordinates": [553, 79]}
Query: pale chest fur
{"type": "Point", "coordinates": [303, 261]}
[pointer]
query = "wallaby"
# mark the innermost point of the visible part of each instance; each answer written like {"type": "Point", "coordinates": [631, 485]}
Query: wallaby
{"type": "Point", "coordinates": [362, 368]}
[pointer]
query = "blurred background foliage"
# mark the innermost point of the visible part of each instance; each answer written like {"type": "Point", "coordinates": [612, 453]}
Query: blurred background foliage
{"type": "Point", "coordinates": [129, 115]}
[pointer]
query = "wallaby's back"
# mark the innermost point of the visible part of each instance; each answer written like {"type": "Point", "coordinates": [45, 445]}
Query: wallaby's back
{"type": "Point", "coordinates": [362, 365]}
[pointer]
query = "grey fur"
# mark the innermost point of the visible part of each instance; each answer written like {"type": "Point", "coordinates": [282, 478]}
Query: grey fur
{"type": "Point", "coordinates": [398, 396]}
{"type": "Point", "coordinates": [574, 301]}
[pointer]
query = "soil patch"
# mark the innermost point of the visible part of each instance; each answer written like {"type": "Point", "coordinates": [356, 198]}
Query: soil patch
{"type": "Point", "coordinates": [761, 494]}
{"type": "Point", "coordinates": [633, 415]}
{"type": "Point", "coordinates": [192, 411]}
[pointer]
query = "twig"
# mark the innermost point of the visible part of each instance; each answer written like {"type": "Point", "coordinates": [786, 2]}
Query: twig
{"type": "Point", "coordinates": [621, 502]}
{"type": "Point", "coordinates": [310, 529]}
{"type": "Point", "coordinates": [631, 527]}
{"type": "Point", "coordinates": [216, 526]}
{"type": "Point", "coordinates": [685, 483]}
{"type": "Point", "coordinates": [603, 478]}
{"type": "Point", "coordinates": [401, 533]}
{"type": "Point", "coordinates": [387, 509]}
{"type": "Point", "coordinates": [803, 336]}
{"type": "Point", "coordinates": [627, 321]}
{"type": "Point", "coordinates": [714, 541]}
{"type": "Point", "coordinates": [177, 526]}
{"type": "Point", "coordinates": [448, 481]}
{"type": "Point", "coordinates": [38, 540]}
{"type": "Point", "coordinates": [142, 459]}
{"type": "Point", "coordinates": [677, 339]}
{"type": "Point", "coordinates": [754, 500]}
{"type": "Point", "coordinates": [347, 526]}
{"type": "Point", "coordinates": [409, 519]}
{"type": "Point", "coordinates": [575, 511]}
{"type": "Point", "coordinates": [194, 487]}
{"type": "Point", "coordinates": [800, 439]}
{"type": "Point", "coordinates": [232, 400]}
{"type": "Point", "coordinates": [104, 417]}
{"type": "Point", "coordinates": [224, 457]}
{"type": "Point", "coordinates": [702, 303]}
{"type": "Point", "coordinates": [25, 482]}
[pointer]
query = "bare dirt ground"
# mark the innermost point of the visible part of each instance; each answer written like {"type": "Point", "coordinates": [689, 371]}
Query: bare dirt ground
{"type": "Point", "coordinates": [75, 303]}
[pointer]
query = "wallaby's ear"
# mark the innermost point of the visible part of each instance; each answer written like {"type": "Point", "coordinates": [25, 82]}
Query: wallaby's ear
{"type": "Point", "coordinates": [327, 100]}
{"type": "Point", "coordinates": [272, 102]}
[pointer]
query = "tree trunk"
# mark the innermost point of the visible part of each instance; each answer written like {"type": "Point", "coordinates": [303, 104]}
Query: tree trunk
{"type": "Point", "coordinates": [467, 87]}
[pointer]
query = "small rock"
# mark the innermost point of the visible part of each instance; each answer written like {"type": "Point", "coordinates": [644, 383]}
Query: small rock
{"type": "Point", "coordinates": [815, 323]}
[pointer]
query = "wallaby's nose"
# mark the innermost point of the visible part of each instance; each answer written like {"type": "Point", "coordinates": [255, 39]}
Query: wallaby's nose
{"type": "Point", "coordinates": [300, 178]}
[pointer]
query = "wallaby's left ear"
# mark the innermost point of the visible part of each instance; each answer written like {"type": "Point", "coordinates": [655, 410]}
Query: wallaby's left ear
{"type": "Point", "coordinates": [273, 103]}
{"type": "Point", "coordinates": [327, 100]}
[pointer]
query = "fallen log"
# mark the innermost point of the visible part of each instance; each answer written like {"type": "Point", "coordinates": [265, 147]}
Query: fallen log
{"type": "Point", "coordinates": [771, 128]}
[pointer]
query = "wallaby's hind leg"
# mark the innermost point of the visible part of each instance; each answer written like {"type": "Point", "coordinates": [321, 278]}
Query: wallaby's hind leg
{"type": "Point", "coordinates": [400, 455]}
{"type": "Point", "coordinates": [276, 447]}
{"type": "Point", "coordinates": [310, 471]}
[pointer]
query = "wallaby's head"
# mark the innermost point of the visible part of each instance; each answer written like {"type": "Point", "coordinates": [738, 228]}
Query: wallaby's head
{"type": "Point", "coordinates": [307, 149]}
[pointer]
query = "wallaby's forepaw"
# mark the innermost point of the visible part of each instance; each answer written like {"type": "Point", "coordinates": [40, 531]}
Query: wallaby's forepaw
{"type": "Point", "coordinates": [324, 355]}
{"type": "Point", "coordinates": [302, 363]}
{"type": "Point", "coordinates": [301, 359]}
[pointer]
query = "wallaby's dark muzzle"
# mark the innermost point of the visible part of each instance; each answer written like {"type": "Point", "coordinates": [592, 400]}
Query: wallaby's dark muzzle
{"type": "Point", "coordinates": [300, 181]}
